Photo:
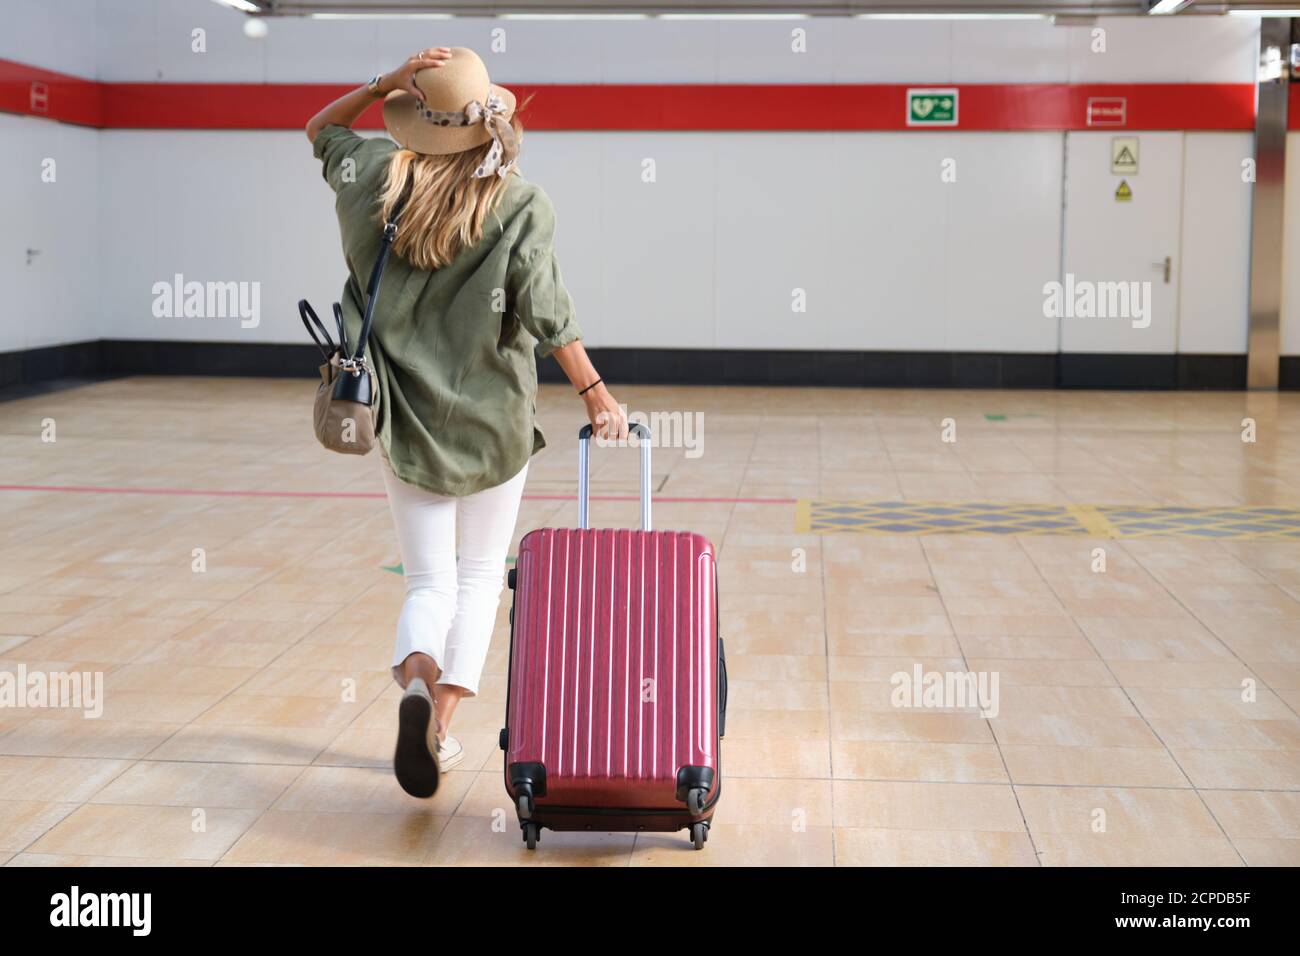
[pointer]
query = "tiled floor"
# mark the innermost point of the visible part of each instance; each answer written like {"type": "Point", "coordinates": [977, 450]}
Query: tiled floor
{"type": "Point", "coordinates": [1146, 713]}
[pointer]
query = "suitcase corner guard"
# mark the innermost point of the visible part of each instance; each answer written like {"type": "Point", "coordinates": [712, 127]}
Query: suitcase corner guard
{"type": "Point", "coordinates": [528, 778]}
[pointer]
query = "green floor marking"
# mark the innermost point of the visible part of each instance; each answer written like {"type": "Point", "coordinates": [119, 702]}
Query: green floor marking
{"type": "Point", "coordinates": [397, 568]}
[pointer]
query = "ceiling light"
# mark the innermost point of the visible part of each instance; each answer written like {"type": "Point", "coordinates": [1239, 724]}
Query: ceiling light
{"type": "Point", "coordinates": [951, 16]}
{"type": "Point", "coordinates": [732, 16]}
{"type": "Point", "coordinates": [571, 16]}
{"type": "Point", "coordinates": [245, 5]}
{"type": "Point", "coordinates": [379, 16]}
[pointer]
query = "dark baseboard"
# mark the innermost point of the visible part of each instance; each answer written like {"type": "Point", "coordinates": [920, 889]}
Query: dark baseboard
{"type": "Point", "coordinates": [806, 367]}
{"type": "Point", "coordinates": [77, 360]}
{"type": "Point", "coordinates": [251, 359]}
{"type": "Point", "coordinates": [112, 358]}
{"type": "Point", "coordinates": [1139, 372]}
{"type": "Point", "coordinates": [1005, 370]}
{"type": "Point", "coordinates": [1289, 374]}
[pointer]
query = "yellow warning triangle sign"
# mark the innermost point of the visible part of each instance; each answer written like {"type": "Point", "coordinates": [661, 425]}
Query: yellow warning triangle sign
{"type": "Point", "coordinates": [1123, 193]}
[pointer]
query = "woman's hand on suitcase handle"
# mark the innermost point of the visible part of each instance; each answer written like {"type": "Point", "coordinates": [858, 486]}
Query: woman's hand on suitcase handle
{"type": "Point", "coordinates": [608, 417]}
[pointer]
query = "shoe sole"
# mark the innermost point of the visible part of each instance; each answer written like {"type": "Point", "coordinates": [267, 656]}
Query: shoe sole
{"type": "Point", "coordinates": [416, 768]}
{"type": "Point", "coordinates": [453, 760]}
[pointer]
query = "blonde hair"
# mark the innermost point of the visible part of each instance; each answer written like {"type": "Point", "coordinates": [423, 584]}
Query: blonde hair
{"type": "Point", "coordinates": [447, 205]}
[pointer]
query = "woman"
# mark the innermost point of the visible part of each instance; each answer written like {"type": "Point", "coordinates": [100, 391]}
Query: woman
{"type": "Point", "coordinates": [472, 291]}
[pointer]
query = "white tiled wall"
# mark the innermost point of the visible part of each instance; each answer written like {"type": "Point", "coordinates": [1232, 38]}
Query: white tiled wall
{"type": "Point", "coordinates": [709, 254]}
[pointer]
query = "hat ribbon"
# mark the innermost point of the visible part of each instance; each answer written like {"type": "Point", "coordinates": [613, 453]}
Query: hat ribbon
{"type": "Point", "coordinates": [505, 145]}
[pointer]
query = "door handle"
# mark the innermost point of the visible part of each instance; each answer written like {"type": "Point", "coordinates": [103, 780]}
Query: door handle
{"type": "Point", "coordinates": [1166, 266]}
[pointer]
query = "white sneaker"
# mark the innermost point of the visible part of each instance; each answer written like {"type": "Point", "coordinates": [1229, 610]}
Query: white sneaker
{"type": "Point", "coordinates": [415, 760]}
{"type": "Point", "coordinates": [450, 752]}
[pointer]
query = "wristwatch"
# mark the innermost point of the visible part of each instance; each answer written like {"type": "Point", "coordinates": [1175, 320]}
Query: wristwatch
{"type": "Point", "coordinates": [373, 85]}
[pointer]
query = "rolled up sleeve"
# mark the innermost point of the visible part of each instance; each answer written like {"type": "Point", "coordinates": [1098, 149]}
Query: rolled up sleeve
{"type": "Point", "coordinates": [344, 154]}
{"type": "Point", "coordinates": [541, 302]}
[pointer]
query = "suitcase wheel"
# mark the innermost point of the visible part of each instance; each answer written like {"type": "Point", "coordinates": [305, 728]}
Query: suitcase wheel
{"type": "Point", "coordinates": [695, 799]}
{"type": "Point", "coordinates": [532, 833]}
{"type": "Point", "coordinates": [699, 834]}
{"type": "Point", "coordinates": [524, 804]}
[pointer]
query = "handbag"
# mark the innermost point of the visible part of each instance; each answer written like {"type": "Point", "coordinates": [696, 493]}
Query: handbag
{"type": "Point", "coordinates": [346, 399]}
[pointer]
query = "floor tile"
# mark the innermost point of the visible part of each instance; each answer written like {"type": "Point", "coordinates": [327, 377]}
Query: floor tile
{"type": "Point", "coordinates": [478, 841]}
{"type": "Point", "coordinates": [1238, 770]}
{"type": "Point", "coordinates": [1093, 766]}
{"type": "Point", "coordinates": [733, 844]}
{"type": "Point", "coordinates": [926, 806]}
{"type": "Point", "coordinates": [55, 779]}
{"type": "Point", "coordinates": [158, 833]}
{"type": "Point", "coordinates": [231, 786]}
{"type": "Point", "coordinates": [23, 821]}
{"type": "Point", "coordinates": [339, 839]}
{"type": "Point", "coordinates": [879, 847]}
{"type": "Point", "coordinates": [941, 762]}
{"type": "Point", "coordinates": [1057, 849]}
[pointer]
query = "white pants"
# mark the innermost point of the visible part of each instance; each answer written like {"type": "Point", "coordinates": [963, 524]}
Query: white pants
{"type": "Point", "coordinates": [451, 604]}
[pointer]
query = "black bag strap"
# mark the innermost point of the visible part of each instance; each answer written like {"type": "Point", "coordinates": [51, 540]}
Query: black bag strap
{"type": "Point", "coordinates": [309, 318]}
{"type": "Point", "coordinates": [343, 332]}
{"type": "Point", "coordinates": [377, 273]}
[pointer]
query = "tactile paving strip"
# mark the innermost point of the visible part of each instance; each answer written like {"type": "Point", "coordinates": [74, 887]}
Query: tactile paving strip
{"type": "Point", "coordinates": [823, 516]}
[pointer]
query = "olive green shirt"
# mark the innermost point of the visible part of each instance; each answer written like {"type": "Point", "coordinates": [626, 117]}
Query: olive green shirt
{"type": "Point", "coordinates": [452, 349]}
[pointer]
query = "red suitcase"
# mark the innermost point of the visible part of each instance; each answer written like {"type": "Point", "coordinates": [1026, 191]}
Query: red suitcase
{"type": "Point", "coordinates": [617, 691]}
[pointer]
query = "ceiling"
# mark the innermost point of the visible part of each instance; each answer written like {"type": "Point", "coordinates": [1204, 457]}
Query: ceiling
{"type": "Point", "coordinates": [750, 7]}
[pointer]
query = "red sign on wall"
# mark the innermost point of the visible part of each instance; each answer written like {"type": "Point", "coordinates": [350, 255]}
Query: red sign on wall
{"type": "Point", "coordinates": [1107, 110]}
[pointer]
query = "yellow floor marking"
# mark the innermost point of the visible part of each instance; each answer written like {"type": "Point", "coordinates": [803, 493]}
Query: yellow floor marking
{"type": "Point", "coordinates": [803, 516]}
{"type": "Point", "coordinates": [1092, 519]}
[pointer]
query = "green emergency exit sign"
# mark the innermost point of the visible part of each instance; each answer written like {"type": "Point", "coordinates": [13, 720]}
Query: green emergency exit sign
{"type": "Point", "coordinates": [932, 107]}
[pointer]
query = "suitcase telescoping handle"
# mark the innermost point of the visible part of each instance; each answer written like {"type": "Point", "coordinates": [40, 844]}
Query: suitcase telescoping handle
{"type": "Point", "coordinates": [584, 472]}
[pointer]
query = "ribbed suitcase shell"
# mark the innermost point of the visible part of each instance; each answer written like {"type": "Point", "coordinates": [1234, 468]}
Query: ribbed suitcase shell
{"type": "Point", "coordinates": [613, 672]}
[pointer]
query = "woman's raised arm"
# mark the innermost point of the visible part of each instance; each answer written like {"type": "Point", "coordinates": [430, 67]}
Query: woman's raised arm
{"type": "Point", "coordinates": [345, 110]}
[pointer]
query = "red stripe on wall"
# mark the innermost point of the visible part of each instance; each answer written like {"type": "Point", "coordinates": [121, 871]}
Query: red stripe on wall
{"type": "Point", "coordinates": [1023, 106]}
{"type": "Point", "coordinates": [32, 91]}
{"type": "Point", "coordinates": [981, 106]}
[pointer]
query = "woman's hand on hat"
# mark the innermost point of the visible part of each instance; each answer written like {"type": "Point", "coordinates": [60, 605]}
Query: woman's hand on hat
{"type": "Point", "coordinates": [403, 78]}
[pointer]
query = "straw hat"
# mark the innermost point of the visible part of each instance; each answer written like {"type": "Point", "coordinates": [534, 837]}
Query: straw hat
{"type": "Point", "coordinates": [462, 109]}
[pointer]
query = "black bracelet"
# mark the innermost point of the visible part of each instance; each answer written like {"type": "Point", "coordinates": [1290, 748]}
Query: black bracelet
{"type": "Point", "coordinates": [591, 386]}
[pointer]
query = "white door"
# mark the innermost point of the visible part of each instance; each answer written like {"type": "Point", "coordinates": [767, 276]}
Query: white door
{"type": "Point", "coordinates": [1119, 288]}
{"type": "Point", "coordinates": [26, 271]}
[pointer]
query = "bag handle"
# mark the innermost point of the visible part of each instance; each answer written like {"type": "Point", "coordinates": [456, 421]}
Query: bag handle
{"type": "Point", "coordinates": [377, 273]}
{"type": "Point", "coordinates": [309, 318]}
{"type": "Point", "coordinates": [343, 332]}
